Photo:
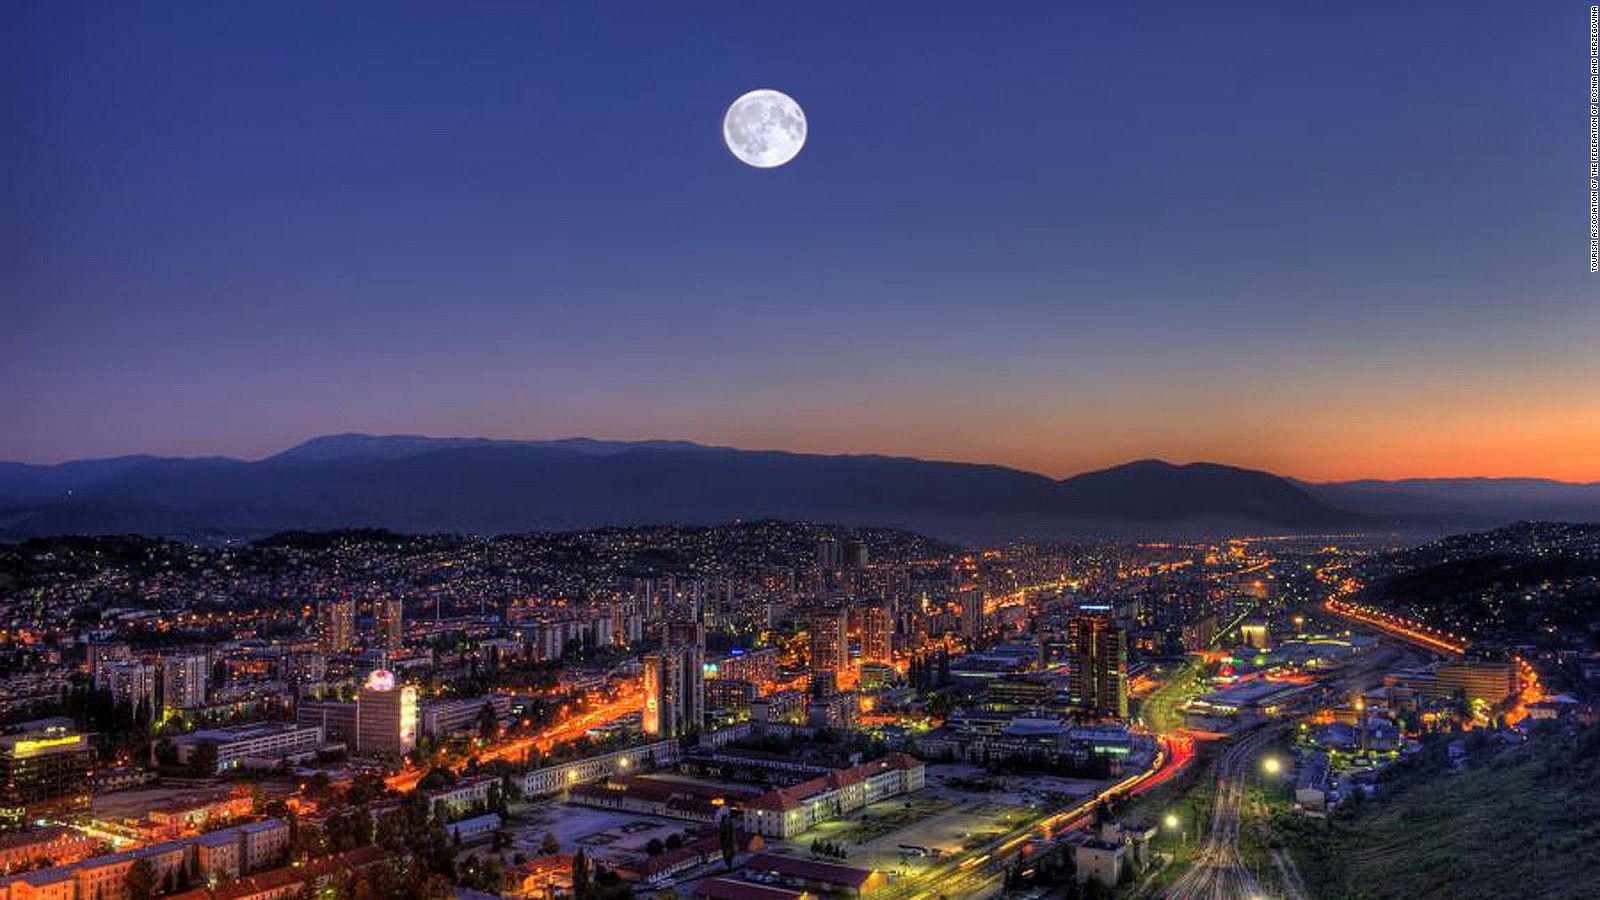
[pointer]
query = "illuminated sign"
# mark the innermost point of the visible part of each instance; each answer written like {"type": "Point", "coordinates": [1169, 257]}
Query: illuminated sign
{"type": "Point", "coordinates": [35, 745]}
{"type": "Point", "coordinates": [380, 680]}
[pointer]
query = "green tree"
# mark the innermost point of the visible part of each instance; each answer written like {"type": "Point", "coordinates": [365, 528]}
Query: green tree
{"type": "Point", "coordinates": [488, 724]}
{"type": "Point", "coordinates": [203, 762]}
{"type": "Point", "coordinates": [580, 875]}
{"type": "Point", "coordinates": [140, 880]}
{"type": "Point", "coordinates": [437, 777]}
{"type": "Point", "coordinates": [726, 837]}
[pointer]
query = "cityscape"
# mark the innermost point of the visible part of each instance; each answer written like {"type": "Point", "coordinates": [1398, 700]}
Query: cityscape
{"type": "Point", "coordinates": [761, 709]}
{"type": "Point", "coordinates": [636, 450]}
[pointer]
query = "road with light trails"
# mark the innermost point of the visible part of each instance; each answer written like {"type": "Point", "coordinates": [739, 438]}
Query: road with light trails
{"type": "Point", "coordinates": [517, 748]}
{"type": "Point", "coordinates": [978, 872]}
{"type": "Point", "coordinates": [1218, 871]}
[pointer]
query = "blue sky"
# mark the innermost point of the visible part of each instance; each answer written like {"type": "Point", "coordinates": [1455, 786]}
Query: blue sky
{"type": "Point", "coordinates": [1327, 238]}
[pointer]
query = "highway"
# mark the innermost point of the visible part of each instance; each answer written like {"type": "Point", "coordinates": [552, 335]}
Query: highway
{"type": "Point", "coordinates": [516, 748]}
{"type": "Point", "coordinates": [1218, 871]}
{"type": "Point", "coordinates": [1395, 626]}
{"type": "Point", "coordinates": [979, 871]}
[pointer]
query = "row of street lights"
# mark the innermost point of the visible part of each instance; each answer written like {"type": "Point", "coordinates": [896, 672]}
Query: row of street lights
{"type": "Point", "coordinates": [1271, 765]}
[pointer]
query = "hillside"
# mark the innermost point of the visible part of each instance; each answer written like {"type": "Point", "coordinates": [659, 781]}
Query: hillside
{"type": "Point", "coordinates": [1520, 821]}
{"type": "Point", "coordinates": [1531, 582]}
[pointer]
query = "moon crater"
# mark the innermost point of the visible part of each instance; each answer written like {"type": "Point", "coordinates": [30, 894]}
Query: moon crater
{"type": "Point", "coordinates": [764, 128]}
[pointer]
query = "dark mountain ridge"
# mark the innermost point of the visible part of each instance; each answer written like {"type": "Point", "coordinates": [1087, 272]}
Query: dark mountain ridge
{"type": "Point", "coordinates": [475, 485]}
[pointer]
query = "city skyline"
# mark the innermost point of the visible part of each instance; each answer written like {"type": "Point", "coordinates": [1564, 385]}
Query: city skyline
{"type": "Point", "coordinates": [1337, 252]}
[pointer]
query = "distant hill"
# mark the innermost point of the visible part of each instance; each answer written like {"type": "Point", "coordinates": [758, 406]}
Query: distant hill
{"type": "Point", "coordinates": [1466, 502]}
{"type": "Point", "coordinates": [476, 485]}
{"type": "Point", "coordinates": [25, 483]}
{"type": "Point", "coordinates": [1531, 582]}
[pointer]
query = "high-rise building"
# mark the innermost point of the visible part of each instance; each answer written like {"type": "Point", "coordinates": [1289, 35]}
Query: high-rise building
{"type": "Point", "coordinates": [830, 643]}
{"type": "Point", "coordinates": [336, 625]}
{"type": "Point", "coordinates": [830, 555]}
{"type": "Point", "coordinates": [183, 681]}
{"type": "Point", "coordinates": [104, 653]}
{"type": "Point", "coordinates": [389, 618]}
{"type": "Point", "coordinates": [132, 684]}
{"type": "Point", "coordinates": [855, 555]}
{"type": "Point", "coordinates": [876, 627]}
{"type": "Point", "coordinates": [1099, 658]}
{"type": "Point", "coordinates": [674, 677]}
{"type": "Point", "coordinates": [663, 692]}
{"type": "Point", "coordinates": [386, 716]}
{"type": "Point", "coordinates": [971, 603]}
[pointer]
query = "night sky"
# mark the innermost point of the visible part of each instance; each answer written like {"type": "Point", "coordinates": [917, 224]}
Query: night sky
{"type": "Point", "coordinates": [1328, 239]}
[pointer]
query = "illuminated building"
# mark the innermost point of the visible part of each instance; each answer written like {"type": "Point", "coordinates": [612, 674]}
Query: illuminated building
{"type": "Point", "coordinates": [386, 716]}
{"type": "Point", "coordinates": [183, 681]}
{"type": "Point", "coordinates": [830, 555]}
{"type": "Point", "coordinates": [1488, 681]}
{"type": "Point", "coordinates": [758, 666]}
{"type": "Point", "coordinates": [875, 629]}
{"type": "Point", "coordinates": [443, 717]}
{"type": "Point", "coordinates": [778, 706]}
{"type": "Point", "coordinates": [255, 745]}
{"type": "Point", "coordinates": [729, 693]}
{"type": "Point", "coordinates": [687, 640]}
{"type": "Point", "coordinates": [132, 684]}
{"type": "Point", "coordinates": [788, 811]}
{"type": "Point", "coordinates": [43, 771]}
{"type": "Point", "coordinates": [1017, 691]}
{"type": "Point", "coordinates": [830, 643]}
{"type": "Point", "coordinates": [1053, 646]}
{"type": "Point", "coordinates": [663, 688]}
{"type": "Point", "coordinates": [336, 625]}
{"type": "Point", "coordinates": [674, 681]}
{"type": "Point", "coordinates": [102, 655]}
{"type": "Point", "coordinates": [1254, 633]}
{"type": "Point", "coordinates": [1099, 660]}
{"type": "Point", "coordinates": [875, 676]}
{"type": "Point", "coordinates": [337, 720]}
{"type": "Point", "coordinates": [836, 711]}
{"type": "Point", "coordinates": [971, 603]}
{"type": "Point", "coordinates": [389, 619]}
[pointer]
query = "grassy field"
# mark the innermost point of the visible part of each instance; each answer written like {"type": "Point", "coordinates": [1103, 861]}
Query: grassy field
{"type": "Point", "coordinates": [1521, 821]}
{"type": "Point", "coordinates": [901, 815]}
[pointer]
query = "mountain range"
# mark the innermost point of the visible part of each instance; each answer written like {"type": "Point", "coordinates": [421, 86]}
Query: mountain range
{"type": "Point", "coordinates": [479, 485]}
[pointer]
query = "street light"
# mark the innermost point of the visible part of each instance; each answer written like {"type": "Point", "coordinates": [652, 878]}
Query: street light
{"type": "Point", "coordinates": [1174, 823]}
{"type": "Point", "coordinates": [1272, 765]}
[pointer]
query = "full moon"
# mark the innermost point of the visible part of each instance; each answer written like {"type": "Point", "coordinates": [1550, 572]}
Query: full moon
{"type": "Point", "coordinates": [764, 128]}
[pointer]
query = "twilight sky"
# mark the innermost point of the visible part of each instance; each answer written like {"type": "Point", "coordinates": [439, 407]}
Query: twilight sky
{"type": "Point", "coordinates": [1329, 239]}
